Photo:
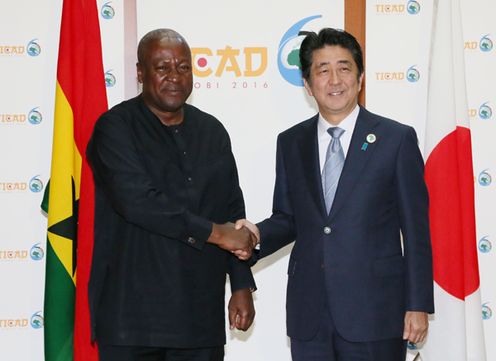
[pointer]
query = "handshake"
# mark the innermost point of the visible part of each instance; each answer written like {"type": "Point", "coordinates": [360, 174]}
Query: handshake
{"type": "Point", "coordinates": [239, 238]}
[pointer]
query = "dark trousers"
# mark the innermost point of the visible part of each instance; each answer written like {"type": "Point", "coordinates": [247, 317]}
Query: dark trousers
{"type": "Point", "coordinates": [328, 345]}
{"type": "Point", "coordinates": [138, 353]}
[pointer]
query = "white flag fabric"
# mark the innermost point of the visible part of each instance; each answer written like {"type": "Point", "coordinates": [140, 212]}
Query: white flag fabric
{"type": "Point", "coordinates": [456, 331]}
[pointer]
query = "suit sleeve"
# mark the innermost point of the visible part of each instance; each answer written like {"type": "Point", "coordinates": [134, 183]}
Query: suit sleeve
{"type": "Point", "coordinates": [278, 230]}
{"type": "Point", "coordinates": [119, 171]}
{"type": "Point", "coordinates": [413, 204]}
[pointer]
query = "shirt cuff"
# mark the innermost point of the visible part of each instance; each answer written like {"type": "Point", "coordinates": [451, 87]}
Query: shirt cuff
{"type": "Point", "coordinates": [198, 230]}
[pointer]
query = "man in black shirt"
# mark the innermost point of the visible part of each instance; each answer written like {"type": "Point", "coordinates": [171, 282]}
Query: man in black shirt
{"type": "Point", "coordinates": [166, 189]}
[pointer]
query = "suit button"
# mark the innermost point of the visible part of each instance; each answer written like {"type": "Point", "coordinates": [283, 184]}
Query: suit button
{"type": "Point", "coordinates": [322, 266]}
{"type": "Point", "coordinates": [191, 240]}
{"type": "Point", "coordinates": [327, 230]}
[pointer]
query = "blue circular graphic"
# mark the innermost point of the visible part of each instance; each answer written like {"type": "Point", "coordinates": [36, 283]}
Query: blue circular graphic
{"type": "Point", "coordinates": [33, 48]}
{"type": "Point", "coordinates": [109, 79]}
{"type": "Point", "coordinates": [35, 184]}
{"type": "Point", "coordinates": [486, 44]}
{"type": "Point", "coordinates": [412, 74]}
{"type": "Point", "coordinates": [413, 7]}
{"type": "Point", "coordinates": [487, 313]}
{"type": "Point", "coordinates": [485, 245]}
{"type": "Point", "coordinates": [485, 178]}
{"type": "Point", "coordinates": [107, 11]}
{"type": "Point", "coordinates": [288, 60]}
{"type": "Point", "coordinates": [36, 252]}
{"type": "Point", "coordinates": [485, 111]}
{"type": "Point", "coordinates": [34, 116]}
{"type": "Point", "coordinates": [37, 320]}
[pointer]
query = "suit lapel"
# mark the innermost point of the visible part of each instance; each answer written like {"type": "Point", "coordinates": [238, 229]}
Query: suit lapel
{"type": "Point", "coordinates": [309, 152]}
{"type": "Point", "coordinates": [356, 158]}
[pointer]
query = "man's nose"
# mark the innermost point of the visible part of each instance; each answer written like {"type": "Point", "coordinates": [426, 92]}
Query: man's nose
{"type": "Point", "coordinates": [334, 77]}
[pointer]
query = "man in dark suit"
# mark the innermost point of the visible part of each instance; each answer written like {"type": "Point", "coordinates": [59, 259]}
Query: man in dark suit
{"type": "Point", "coordinates": [166, 184]}
{"type": "Point", "coordinates": [350, 190]}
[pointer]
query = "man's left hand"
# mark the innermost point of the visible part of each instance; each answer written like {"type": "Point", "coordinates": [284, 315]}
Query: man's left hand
{"type": "Point", "coordinates": [241, 309]}
{"type": "Point", "coordinates": [416, 325]}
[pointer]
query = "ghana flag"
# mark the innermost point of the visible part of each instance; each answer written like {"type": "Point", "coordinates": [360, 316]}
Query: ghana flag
{"type": "Point", "coordinates": [80, 97]}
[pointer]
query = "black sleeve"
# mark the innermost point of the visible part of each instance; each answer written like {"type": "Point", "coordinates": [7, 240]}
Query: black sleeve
{"type": "Point", "coordinates": [119, 171]}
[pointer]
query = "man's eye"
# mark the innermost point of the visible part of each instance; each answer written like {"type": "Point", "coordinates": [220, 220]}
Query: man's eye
{"type": "Point", "coordinates": [184, 68]}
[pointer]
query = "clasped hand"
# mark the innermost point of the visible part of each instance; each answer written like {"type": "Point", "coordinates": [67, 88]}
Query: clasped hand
{"type": "Point", "coordinates": [236, 239]}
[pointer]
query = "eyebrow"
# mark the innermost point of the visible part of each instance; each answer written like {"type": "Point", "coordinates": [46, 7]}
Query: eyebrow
{"type": "Point", "coordinates": [324, 63]}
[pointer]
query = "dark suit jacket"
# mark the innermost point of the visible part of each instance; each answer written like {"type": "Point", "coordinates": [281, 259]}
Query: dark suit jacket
{"type": "Point", "coordinates": [154, 281]}
{"type": "Point", "coordinates": [351, 261]}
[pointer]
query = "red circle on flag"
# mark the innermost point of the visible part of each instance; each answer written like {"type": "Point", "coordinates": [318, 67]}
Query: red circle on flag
{"type": "Point", "coordinates": [450, 180]}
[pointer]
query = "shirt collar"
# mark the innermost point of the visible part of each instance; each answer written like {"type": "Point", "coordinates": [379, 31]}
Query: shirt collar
{"type": "Point", "coordinates": [348, 123]}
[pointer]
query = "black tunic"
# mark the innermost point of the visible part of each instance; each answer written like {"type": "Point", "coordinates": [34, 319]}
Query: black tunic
{"type": "Point", "coordinates": [154, 279]}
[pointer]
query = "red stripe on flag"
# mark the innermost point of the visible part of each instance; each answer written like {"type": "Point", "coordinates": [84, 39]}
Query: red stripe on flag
{"type": "Point", "coordinates": [450, 180]}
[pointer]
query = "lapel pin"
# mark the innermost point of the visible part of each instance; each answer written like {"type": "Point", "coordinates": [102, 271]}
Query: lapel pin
{"type": "Point", "coordinates": [364, 146]}
{"type": "Point", "coordinates": [371, 138]}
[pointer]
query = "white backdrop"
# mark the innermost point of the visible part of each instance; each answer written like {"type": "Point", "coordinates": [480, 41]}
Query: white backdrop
{"type": "Point", "coordinates": [255, 105]}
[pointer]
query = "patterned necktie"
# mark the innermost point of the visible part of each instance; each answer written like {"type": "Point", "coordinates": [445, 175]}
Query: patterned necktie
{"type": "Point", "coordinates": [333, 166]}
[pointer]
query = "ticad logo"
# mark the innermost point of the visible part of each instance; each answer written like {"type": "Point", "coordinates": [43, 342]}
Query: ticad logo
{"type": "Point", "coordinates": [208, 62]}
{"type": "Point", "coordinates": [484, 245]}
{"type": "Point", "coordinates": [110, 79]}
{"type": "Point", "coordinates": [35, 184]}
{"type": "Point", "coordinates": [411, 7]}
{"type": "Point", "coordinates": [485, 111]}
{"type": "Point", "coordinates": [107, 11]}
{"type": "Point", "coordinates": [33, 48]}
{"type": "Point", "coordinates": [14, 323]}
{"type": "Point", "coordinates": [485, 44]}
{"type": "Point", "coordinates": [485, 178]}
{"type": "Point", "coordinates": [12, 49]}
{"type": "Point", "coordinates": [13, 186]}
{"type": "Point", "coordinates": [487, 313]}
{"type": "Point", "coordinates": [36, 252]}
{"type": "Point", "coordinates": [36, 320]}
{"type": "Point", "coordinates": [288, 54]}
{"type": "Point", "coordinates": [230, 67]}
{"type": "Point", "coordinates": [34, 116]}
{"type": "Point", "coordinates": [13, 255]}
{"type": "Point", "coordinates": [412, 75]}
{"type": "Point", "coordinates": [13, 119]}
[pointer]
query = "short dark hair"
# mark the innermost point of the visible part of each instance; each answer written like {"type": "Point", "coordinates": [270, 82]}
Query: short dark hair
{"type": "Point", "coordinates": [328, 36]}
{"type": "Point", "coordinates": [158, 35]}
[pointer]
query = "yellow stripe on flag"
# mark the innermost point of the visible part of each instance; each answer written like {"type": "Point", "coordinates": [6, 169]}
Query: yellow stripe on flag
{"type": "Point", "coordinates": [66, 166]}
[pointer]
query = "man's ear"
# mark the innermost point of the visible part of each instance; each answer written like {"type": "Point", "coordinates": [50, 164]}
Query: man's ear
{"type": "Point", "coordinates": [139, 73]}
{"type": "Point", "coordinates": [307, 87]}
{"type": "Point", "coordinates": [360, 81]}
